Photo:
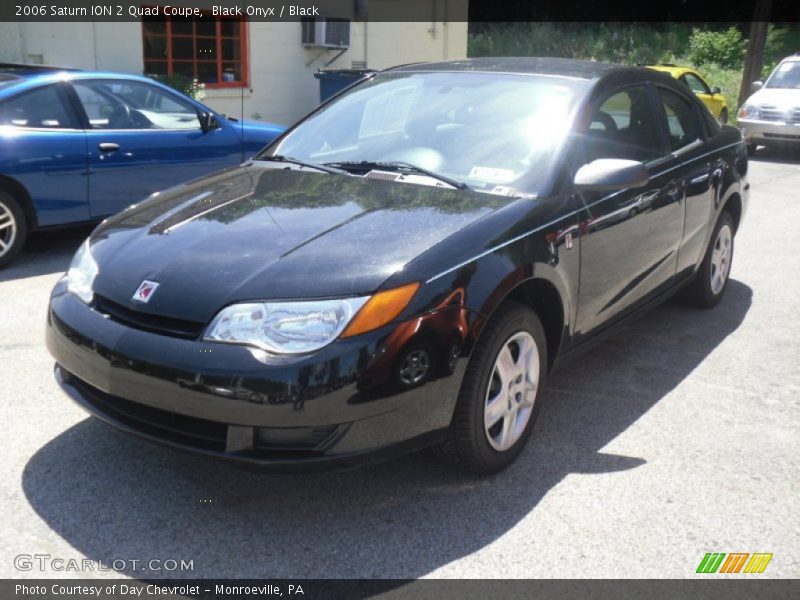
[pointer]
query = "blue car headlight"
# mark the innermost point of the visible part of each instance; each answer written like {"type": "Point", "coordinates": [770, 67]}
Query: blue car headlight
{"type": "Point", "coordinates": [82, 273]}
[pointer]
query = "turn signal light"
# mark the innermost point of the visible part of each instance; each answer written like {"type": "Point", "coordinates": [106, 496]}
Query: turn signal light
{"type": "Point", "coordinates": [381, 309]}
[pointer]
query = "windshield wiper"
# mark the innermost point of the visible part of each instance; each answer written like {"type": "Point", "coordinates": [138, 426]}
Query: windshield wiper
{"type": "Point", "coordinates": [302, 163]}
{"type": "Point", "coordinates": [400, 166]}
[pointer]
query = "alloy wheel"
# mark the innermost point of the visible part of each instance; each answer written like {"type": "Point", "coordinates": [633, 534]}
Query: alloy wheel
{"type": "Point", "coordinates": [8, 229]}
{"type": "Point", "coordinates": [721, 259]}
{"type": "Point", "coordinates": [512, 391]}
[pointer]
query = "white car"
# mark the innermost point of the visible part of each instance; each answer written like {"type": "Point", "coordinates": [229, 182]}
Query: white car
{"type": "Point", "coordinates": [771, 116]}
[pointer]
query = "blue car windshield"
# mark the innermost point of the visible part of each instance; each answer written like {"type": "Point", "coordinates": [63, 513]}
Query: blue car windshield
{"type": "Point", "coordinates": [497, 132]}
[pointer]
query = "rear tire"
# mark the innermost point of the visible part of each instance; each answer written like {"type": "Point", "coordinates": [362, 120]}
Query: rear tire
{"type": "Point", "coordinates": [712, 277]}
{"type": "Point", "coordinates": [500, 395]}
{"type": "Point", "coordinates": [13, 228]}
{"type": "Point", "coordinates": [723, 116]}
{"type": "Point", "coordinates": [751, 149]}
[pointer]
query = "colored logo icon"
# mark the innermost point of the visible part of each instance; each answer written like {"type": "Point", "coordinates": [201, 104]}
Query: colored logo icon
{"type": "Point", "coordinates": [734, 562]}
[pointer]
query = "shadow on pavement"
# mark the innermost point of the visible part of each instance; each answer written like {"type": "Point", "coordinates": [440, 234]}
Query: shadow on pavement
{"type": "Point", "coordinates": [111, 496]}
{"type": "Point", "coordinates": [784, 155]}
{"type": "Point", "coordinates": [46, 252]}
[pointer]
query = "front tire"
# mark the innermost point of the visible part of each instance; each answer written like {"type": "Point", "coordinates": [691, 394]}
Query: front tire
{"type": "Point", "coordinates": [712, 277]}
{"type": "Point", "coordinates": [500, 395]}
{"type": "Point", "coordinates": [723, 116]}
{"type": "Point", "coordinates": [13, 228]}
{"type": "Point", "coordinates": [751, 149]}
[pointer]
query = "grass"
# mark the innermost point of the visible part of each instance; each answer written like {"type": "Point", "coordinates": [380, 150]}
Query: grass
{"type": "Point", "coordinates": [623, 43]}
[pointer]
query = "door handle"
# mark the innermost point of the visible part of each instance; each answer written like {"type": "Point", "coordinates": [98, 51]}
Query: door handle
{"type": "Point", "coordinates": [108, 146]}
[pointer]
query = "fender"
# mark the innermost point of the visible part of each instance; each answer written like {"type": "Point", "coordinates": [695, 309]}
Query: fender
{"type": "Point", "coordinates": [733, 191]}
{"type": "Point", "coordinates": [545, 229]}
{"type": "Point", "coordinates": [18, 191]}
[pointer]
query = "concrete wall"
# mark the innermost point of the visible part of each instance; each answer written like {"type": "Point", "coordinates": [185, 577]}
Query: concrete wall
{"type": "Point", "coordinates": [282, 83]}
{"type": "Point", "coordinates": [282, 87]}
{"type": "Point", "coordinates": [10, 46]}
{"type": "Point", "coordinates": [86, 45]}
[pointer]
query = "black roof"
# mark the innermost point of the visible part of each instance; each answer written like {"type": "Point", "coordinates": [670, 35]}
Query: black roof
{"type": "Point", "coordinates": [27, 68]}
{"type": "Point", "coordinates": [566, 67]}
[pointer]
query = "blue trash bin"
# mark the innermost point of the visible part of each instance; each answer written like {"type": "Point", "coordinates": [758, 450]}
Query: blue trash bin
{"type": "Point", "coordinates": [333, 81]}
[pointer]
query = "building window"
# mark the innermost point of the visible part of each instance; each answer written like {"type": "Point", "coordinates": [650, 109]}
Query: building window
{"type": "Point", "coordinates": [211, 49]}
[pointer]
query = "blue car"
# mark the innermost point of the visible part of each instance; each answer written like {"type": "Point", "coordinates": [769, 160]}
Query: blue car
{"type": "Point", "coordinates": [77, 146]}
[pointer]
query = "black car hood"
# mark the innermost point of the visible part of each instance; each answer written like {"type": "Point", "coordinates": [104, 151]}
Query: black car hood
{"type": "Point", "coordinates": [257, 232]}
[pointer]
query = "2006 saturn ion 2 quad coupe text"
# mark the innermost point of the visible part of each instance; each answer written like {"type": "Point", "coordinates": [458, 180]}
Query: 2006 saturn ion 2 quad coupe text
{"type": "Point", "coordinates": [404, 266]}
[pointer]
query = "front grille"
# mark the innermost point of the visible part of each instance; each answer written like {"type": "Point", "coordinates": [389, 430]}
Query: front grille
{"type": "Point", "coordinates": [147, 322]}
{"type": "Point", "coordinates": [295, 438]}
{"type": "Point", "coordinates": [191, 431]}
{"type": "Point", "coordinates": [267, 442]}
{"type": "Point", "coordinates": [772, 113]}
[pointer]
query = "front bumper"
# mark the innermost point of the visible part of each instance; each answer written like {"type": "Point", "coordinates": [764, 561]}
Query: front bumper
{"type": "Point", "coordinates": [769, 132]}
{"type": "Point", "coordinates": [337, 407]}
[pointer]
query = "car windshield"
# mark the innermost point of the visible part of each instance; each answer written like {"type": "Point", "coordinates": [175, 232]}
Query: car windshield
{"type": "Point", "coordinates": [786, 75]}
{"type": "Point", "coordinates": [496, 132]}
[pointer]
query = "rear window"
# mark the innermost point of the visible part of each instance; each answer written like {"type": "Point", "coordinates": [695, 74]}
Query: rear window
{"type": "Point", "coordinates": [6, 80]}
{"type": "Point", "coordinates": [41, 108]}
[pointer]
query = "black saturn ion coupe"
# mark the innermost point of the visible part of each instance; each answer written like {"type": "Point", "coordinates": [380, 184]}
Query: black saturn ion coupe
{"type": "Point", "coordinates": [404, 266]}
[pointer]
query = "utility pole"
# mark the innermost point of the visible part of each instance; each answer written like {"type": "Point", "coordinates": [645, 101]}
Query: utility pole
{"type": "Point", "coordinates": [754, 59]}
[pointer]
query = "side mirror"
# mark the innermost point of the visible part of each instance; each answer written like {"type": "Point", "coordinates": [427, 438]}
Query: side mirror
{"type": "Point", "coordinates": [208, 121]}
{"type": "Point", "coordinates": [756, 85]}
{"type": "Point", "coordinates": [611, 174]}
{"type": "Point", "coordinates": [715, 90]}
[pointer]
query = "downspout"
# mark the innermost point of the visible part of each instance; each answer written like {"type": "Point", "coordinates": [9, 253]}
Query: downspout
{"type": "Point", "coordinates": [94, 44]}
{"type": "Point", "coordinates": [445, 37]}
{"type": "Point", "coordinates": [362, 14]}
{"type": "Point", "coordinates": [23, 44]}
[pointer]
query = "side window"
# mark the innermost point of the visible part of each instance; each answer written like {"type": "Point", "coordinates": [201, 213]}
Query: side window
{"type": "Point", "coordinates": [681, 119]}
{"type": "Point", "coordinates": [713, 126]}
{"type": "Point", "coordinates": [42, 108]}
{"type": "Point", "coordinates": [134, 105]}
{"type": "Point", "coordinates": [624, 126]}
{"type": "Point", "coordinates": [695, 84]}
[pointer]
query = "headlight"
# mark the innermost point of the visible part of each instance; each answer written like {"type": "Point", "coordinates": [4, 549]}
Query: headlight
{"type": "Point", "coordinates": [284, 327]}
{"type": "Point", "coordinates": [81, 274]}
{"type": "Point", "coordinates": [748, 111]}
{"type": "Point", "coordinates": [308, 325]}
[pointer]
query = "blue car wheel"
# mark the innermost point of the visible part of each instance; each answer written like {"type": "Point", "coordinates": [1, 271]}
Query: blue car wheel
{"type": "Point", "coordinates": [13, 228]}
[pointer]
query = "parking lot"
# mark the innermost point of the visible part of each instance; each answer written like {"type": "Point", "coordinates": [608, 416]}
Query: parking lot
{"type": "Point", "coordinates": [677, 437]}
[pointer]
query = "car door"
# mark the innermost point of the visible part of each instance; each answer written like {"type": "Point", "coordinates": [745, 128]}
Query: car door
{"type": "Point", "coordinates": [43, 147]}
{"type": "Point", "coordinates": [142, 139]}
{"type": "Point", "coordinates": [690, 159]}
{"type": "Point", "coordinates": [629, 238]}
{"type": "Point", "coordinates": [700, 88]}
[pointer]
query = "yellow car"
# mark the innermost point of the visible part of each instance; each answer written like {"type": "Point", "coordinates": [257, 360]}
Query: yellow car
{"type": "Point", "coordinates": [711, 97]}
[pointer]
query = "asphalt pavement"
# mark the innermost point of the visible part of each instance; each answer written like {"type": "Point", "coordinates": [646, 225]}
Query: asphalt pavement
{"type": "Point", "coordinates": [678, 436]}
